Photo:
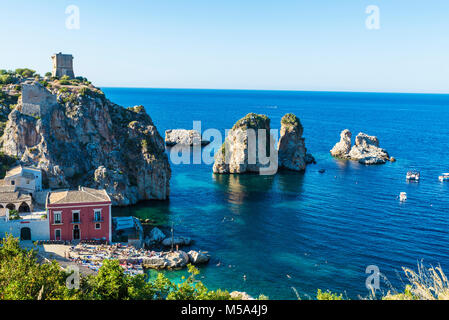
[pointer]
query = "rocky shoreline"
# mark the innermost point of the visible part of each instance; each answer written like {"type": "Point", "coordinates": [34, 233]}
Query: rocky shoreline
{"type": "Point", "coordinates": [133, 260]}
{"type": "Point", "coordinates": [156, 239]}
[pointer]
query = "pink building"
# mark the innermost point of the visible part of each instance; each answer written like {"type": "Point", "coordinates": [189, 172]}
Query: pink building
{"type": "Point", "coordinates": [83, 214]}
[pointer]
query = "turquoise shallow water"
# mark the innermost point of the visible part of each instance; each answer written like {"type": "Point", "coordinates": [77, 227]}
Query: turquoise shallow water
{"type": "Point", "coordinates": [322, 230]}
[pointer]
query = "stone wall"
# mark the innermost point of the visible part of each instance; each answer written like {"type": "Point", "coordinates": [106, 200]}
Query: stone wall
{"type": "Point", "coordinates": [35, 100]}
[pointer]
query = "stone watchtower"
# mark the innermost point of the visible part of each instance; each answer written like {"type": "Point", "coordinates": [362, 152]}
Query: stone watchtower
{"type": "Point", "coordinates": [62, 65]}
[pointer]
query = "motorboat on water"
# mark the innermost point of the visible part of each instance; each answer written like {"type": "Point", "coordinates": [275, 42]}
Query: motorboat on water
{"type": "Point", "coordinates": [444, 177]}
{"type": "Point", "coordinates": [413, 176]}
{"type": "Point", "coordinates": [403, 196]}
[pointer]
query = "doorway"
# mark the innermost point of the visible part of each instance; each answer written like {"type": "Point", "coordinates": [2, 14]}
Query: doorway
{"type": "Point", "coordinates": [25, 234]}
{"type": "Point", "coordinates": [76, 232]}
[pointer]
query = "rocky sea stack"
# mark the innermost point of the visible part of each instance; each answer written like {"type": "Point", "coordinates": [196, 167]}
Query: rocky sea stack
{"type": "Point", "coordinates": [366, 149]}
{"type": "Point", "coordinates": [291, 147]}
{"type": "Point", "coordinates": [78, 137]}
{"type": "Point", "coordinates": [238, 156]}
{"type": "Point", "coordinates": [235, 155]}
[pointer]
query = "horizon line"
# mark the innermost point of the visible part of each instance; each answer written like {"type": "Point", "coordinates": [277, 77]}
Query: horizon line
{"type": "Point", "coordinates": [281, 90]}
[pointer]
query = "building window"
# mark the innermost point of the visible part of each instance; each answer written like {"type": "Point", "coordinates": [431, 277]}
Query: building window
{"type": "Point", "coordinates": [57, 218]}
{"type": "Point", "coordinates": [97, 226]}
{"type": "Point", "coordinates": [75, 216]}
{"type": "Point", "coordinates": [13, 182]}
{"type": "Point", "coordinates": [97, 215]}
{"type": "Point", "coordinates": [58, 234]}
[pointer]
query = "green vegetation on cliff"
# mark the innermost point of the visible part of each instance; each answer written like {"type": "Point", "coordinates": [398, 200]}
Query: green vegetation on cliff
{"type": "Point", "coordinates": [25, 72]}
{"type": "Point", "coordinates": [8, 100]}
{"type": "Point", "coordinates": [253, 121]}
{"type": "Point", "coordinates": [290, 120]}
{"type": "Point", "coordinates": [5, 163]}
{"type": "Point", "coordinates": [10, 76]}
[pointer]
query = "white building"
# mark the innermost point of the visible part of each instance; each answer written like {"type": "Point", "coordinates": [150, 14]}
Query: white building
{"type": "Point", "coordinates": [32, 226]}
{"type": "Point", "coordinates": [21, 178]}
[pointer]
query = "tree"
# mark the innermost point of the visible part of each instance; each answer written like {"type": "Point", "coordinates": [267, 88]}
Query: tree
{"type": "Point", "coordinates": [6, 79]}
{"type": "Point", "coordinates": [23, 278]}
{"type": "Point", "coordinates": [25, 72]}
{"type": "Point", "coordinates": [110, 283]}
{"type": "Point", "coordinates": [14, 215]}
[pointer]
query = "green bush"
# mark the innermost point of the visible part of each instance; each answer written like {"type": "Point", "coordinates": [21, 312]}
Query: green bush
{"type": "Point", "coordinates": [8, 100]}
{"type": "Point", "coordinates": [84, 91]}
{"type": "Point", "coordinates": [137, 109]}
{"type": "Point", "coordinates": [6, 79]}
{"type": "Point", "coordinates": [290, 120]}
{"type": "Point", "coordinates": [253, 121]}
{"type": "Point", "coordinates": [25, 72]}
{"type": "Point", "coordinates": [5, 163]}
{"type": "Point", "coordinates": [14, 215]}
{"type": "Point", "coordinates": [328, 295]}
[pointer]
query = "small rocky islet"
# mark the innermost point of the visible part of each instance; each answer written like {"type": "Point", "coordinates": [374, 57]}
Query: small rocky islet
{"type": "Point", "coordinates": [184, 137]}
{"type": "Point", "coordinates": [366, 149]}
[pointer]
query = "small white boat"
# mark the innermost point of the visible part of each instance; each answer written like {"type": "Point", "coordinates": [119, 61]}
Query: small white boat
{"type": "Point", "coordinates": [444, 177]}
{"type": "Point", "coordinates": [403, 196]}
{"type": "Point", "coordinates": [413, 176]}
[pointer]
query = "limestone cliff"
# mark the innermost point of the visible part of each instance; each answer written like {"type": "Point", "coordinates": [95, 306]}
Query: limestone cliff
{"type": "Point", "coordinates": [291, 146]}
{"type": "Point", "coordinates": [78, 137]}
{"type": "Point", "coordinates": [240, 152]}
{"type": "Point", "coordinates": [343, 147]}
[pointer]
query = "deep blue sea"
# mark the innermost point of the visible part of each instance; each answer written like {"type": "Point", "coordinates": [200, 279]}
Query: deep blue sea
{"type": "Point", "coordinates": [308, 230]}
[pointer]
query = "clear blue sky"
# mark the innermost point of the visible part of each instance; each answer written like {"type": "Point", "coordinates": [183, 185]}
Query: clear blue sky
{"type": "Point", "coordinates": [284, 44]}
